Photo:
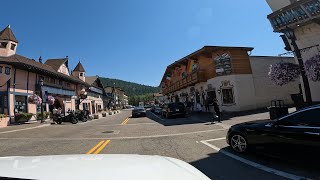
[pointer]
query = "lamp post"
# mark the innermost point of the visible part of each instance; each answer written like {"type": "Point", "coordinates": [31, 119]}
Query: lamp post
{"type": "Point", "coordinates": [291, 35]}
{"type": "Point", "coordinates": [41, 95]}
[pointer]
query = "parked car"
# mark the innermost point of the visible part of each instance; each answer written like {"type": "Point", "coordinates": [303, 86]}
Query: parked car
{"type": "Point", "coordinates": [174, 109]}
{"type": "Point", "coordinates": [300, 129]}
{"type": "Point", "coordinates": [139, 112]}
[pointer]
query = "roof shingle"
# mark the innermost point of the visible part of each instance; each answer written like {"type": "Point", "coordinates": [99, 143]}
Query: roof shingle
{"type": "Point", "coordinates": [7, 34]}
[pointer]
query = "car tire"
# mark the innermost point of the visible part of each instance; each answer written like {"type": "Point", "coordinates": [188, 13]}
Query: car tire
{"type": "Point", "coordinates": [239, 143]}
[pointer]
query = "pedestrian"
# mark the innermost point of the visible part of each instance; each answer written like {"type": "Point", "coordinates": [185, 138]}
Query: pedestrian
{"type": "Point", "coordinates": [206, 103]}
{"type": "Point", "coordinates": [217, 110]}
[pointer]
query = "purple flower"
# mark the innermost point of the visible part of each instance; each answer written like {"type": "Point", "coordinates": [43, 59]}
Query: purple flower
{"type": "Point", "coordinates": [35, 99]}
{"type": "Point", "coordinates": [283, 73]}
{"type": "Point", "coordinates": [51, 100]}
{"type": "Point", "coordinates": [312, 67]}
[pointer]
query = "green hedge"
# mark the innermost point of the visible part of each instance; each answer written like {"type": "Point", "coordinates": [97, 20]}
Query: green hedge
{"type": "Point", "coordinates": [23, 117]}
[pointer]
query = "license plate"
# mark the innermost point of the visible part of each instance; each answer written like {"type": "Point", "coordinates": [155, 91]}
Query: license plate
{"type": "Point", "coordinates": [177, 110]}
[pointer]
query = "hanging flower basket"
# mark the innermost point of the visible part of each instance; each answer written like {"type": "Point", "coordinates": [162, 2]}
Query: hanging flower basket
{"type": "Point", "coordinates": [312, 67]}
{"type": "Point", "coordinates": [51, 100]}
{"type": "Point", "coordinates": [283, 73]}
{"type": "Point", "coordinates": [35, 99]}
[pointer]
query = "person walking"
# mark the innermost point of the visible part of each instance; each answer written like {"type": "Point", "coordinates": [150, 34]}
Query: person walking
{"type": "Point", "coordinates": [207, 104]}
{"type": "Point", "coordinates": [217, 110]}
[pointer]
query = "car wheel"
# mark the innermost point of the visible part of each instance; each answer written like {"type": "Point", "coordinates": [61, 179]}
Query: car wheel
{"type": "Point", "coordinates": [238, 143]}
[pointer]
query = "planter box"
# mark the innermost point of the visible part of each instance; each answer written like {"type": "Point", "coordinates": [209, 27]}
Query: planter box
{"type": "Point", "coordinates": [4, 122]}
{"type": "Point", "coordinates": [96, 116]}
{"type": "Point", "coordinates": [104, 114]}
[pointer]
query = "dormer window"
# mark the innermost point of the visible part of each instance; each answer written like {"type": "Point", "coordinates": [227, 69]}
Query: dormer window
{"type": "Point", "coordinates": [13, 46]}
{"type": "Point", "coordinates": [3, 44]}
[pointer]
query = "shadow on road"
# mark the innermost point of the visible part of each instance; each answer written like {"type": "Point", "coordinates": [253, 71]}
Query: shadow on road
{"type": "Point", "coordinates": [173, 121]}
{"type": "Point", "coordinates": [220, 166]}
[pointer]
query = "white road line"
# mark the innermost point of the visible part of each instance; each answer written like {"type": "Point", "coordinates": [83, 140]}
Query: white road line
{"type": "Point", "coordinates": [250, 163]}
{"type": "Point", "coordinates": [16, 130]}
{"type": "Point", "coordinates": [126, 137]}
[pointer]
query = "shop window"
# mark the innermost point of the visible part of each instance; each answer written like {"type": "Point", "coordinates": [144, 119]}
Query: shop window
{"type": "Point", "coordinates": [0, 69]}
{"type": "Point", "coordinates": [20, 104]}
{"type": "Point", "coordinates": [3, 44]}
{"type": "Point", "coordinates": [7, 71]}
{"type": "Point", "coordinates": [227, 96]}
{"type": "Point", "coordinates": [13, 47]}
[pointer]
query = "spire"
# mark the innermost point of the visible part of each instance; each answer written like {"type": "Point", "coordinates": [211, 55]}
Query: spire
{"type": "Point", "coordinates": [40, 59]}
{"type": "Point", "coordinates": [79, 67]}
{"type": "Point", "coordinates": [7, 34]}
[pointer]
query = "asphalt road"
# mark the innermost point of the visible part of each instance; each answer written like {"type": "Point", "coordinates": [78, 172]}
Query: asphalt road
{"type": "Point", "coordinates": [199, 143]}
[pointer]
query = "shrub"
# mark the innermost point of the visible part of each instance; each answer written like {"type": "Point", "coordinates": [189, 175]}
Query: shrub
{"type": "Point", "coordinates": [21, 117]}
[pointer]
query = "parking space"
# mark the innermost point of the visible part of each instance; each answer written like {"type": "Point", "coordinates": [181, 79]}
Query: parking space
{"type": "Point", "coordinates": [281, 164]}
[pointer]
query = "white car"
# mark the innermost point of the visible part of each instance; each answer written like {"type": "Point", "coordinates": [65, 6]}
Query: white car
{"type": "Point", "coordinates": [101, 166]}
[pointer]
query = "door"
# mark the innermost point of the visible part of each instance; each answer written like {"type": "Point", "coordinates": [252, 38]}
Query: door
{"type": "Point", "coordinates": [301, 128]}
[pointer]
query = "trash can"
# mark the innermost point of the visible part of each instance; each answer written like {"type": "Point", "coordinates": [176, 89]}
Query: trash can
{"type": "Point", "coordinates": [278, 109]}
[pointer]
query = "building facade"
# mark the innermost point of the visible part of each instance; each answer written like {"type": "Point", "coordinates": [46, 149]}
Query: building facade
{"type": "Point", "coordinates": [303, 17]}
{"type": "Point", "coordinates": [227, 74]}
{"type": "Point", "coordinates": [21, 77]}
{"type": "Point", "coordinates": [95, 97]}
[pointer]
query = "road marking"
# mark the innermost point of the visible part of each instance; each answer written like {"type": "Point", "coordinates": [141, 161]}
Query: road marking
{"type": "Point", "coordinates": [45, 125]}
{"type": "Point", "coordinates": [101, 147]}
{"type": "Point", "coordinates": [125, 121]}
{"type": "Point", "coordinates": [95, 147]}
{"type": "Point", "coordinates": [250, 163]}
{"type": "Point", "coordinates": [128, 137]}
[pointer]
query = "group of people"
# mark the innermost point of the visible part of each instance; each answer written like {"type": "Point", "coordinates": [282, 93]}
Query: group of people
{"type": "Point", "coordinates": [207, 104]}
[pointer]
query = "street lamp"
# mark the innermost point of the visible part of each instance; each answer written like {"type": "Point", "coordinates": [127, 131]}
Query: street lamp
{"type": "Point", "coordinates": [291, 35]}
{"type": "Point", "coordinates": [41, 95]}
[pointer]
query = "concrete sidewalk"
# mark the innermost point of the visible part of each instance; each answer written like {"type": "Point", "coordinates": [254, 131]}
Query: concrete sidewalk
{"type": "Point", "coordinates": [229, 119]}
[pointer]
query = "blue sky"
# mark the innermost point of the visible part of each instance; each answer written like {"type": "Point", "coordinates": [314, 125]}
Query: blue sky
{"type": "Point", "coordinates": [135, 40]}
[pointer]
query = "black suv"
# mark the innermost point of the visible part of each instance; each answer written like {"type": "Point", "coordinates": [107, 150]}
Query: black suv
{"type": "Point", "coordinates": [174, 109]}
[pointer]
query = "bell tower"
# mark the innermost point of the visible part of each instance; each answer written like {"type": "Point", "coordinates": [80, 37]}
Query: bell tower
{"type": "Point", "coordinates": [8, 42]}
{"type": "Point", "coordinates": [79, 72]}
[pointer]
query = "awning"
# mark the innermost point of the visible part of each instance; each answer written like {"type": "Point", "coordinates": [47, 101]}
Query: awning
{"type": "Point", "coordinates": [53, 90]}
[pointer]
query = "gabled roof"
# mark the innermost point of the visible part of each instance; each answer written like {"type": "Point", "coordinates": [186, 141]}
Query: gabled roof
{"type": "Point", "coordinates": [7, 34]}
{"type": "Point", "coordinates": [34, 66]}
{"type": "Point", "coordinates": [79, 67]}
{"type": "Point", "coordinates": [91, 79]}
{"type": "Point", "coordinates": [56, 63]}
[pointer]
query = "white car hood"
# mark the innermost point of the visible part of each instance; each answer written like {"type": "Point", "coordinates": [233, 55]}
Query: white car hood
{"type": "Point", "coordinates": [102, 166]}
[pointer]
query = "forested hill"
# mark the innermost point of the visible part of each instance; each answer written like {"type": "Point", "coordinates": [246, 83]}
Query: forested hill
{"type": "Point", "coordinates": [130, 88]}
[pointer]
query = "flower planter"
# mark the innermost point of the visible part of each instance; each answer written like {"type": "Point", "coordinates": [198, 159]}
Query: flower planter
{"type": "Point", "coordinates": [104, 114]}
{"type": "Point", "coordinates": [96, 116]}
{"type": "Point", "coordinates": [110, 113]}
{"type": "Point", "coordinates": [4, 122]}
{"type": "Point", "coordinates": [23, 117]}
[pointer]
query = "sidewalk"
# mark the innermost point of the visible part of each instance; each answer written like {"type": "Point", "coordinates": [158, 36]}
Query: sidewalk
{"type": "Point", "coordinates": [229, 119]}
{"type": "Point", "coordinates": [30, 124]}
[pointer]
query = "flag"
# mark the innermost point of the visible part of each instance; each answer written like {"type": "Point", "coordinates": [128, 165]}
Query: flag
{"type": "Point", "coordinates": [189, 66]}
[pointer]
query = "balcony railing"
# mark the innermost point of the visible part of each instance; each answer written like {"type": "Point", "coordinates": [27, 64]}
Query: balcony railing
{"type": "Point", "coordinates": [190, 80]}
{"type": "Point", "coordinates": [297, 14]}
{"type": "Point", "coordinates": [58, 86]}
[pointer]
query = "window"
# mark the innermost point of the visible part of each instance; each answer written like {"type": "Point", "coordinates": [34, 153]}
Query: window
{"type": "Point", "coordinates": [3, 44]}
{"type": "Point", "coordinates": [20, 104]}
{"type": "Point", "coordinates": [81, 74]}
{"type": "Point", "coordinates": [13, 47]}
{"type": "Point", "coordinates": [227, 96]}
{"type": "Point", "coordinates": [0, 69]}
{"type": "Point", "coordinates": [304, 118]}
{"type": "Point", "coordinates": [7, 71]}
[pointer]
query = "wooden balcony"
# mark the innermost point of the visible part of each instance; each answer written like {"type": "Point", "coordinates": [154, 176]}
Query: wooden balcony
{"type": "Point", "coordinates": [58, 86]}
{"type": "Point", "coordinates": [296, 14]}
{"type": "Point", "coordinates": [190, 80]}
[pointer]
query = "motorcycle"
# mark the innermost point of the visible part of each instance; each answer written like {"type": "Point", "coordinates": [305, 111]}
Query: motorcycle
{"type": "Point", "coordinates": [68, 118]}
{"type": "Point", "coordinates": [80, 115]}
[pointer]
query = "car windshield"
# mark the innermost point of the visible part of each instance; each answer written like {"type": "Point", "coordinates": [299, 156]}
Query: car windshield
{"type": "Point", "coordinates": [201, 88]}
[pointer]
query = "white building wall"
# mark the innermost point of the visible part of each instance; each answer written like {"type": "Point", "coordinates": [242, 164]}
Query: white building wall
{"type": "Point", "coordinates": [265, 89]}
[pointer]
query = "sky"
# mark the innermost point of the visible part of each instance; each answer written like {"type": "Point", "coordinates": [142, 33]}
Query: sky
{"type": "Point", "coordinates": [135, 40]}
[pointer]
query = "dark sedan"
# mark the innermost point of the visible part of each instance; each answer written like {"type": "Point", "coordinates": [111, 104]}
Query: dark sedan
{"type": "Point", "coordinates": [138, 112]}
{"type": "Point", "coordinates": [299, 129]}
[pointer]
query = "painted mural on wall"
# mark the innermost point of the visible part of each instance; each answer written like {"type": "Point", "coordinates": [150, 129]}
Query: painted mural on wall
{"type": "Point", "coordinates": [223, 64]}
